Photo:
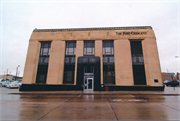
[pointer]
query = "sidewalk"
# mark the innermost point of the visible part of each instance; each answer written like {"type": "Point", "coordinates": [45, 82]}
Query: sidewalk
{"type": "Point", "coordinates": [167, 91]}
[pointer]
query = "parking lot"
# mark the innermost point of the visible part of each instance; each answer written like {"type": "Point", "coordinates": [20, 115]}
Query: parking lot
{"type": "Point", "coordinates": [123, 105]}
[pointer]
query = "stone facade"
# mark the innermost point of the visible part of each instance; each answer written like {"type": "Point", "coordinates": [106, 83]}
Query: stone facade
{"type": "Point", "coordinates": [121, 36]}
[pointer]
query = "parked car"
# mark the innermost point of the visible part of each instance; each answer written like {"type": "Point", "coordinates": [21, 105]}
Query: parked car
{"type": "Point", "coordinates": [14, 84]}
{"type": "Point", "coordinates": [178, 81]}
{"type": "Point", "coordinates": [2, 82]}
{"type": "Point", "coordinates": [20, 83]}
{"type": "Point", "coordinates": [166, 81]}
{"type": "Point", "coordinates": [172, 83]}
{"type": "Point", "coordinates": [5, 83]}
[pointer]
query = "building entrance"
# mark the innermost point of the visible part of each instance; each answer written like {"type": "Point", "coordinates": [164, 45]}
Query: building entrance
{"type": "Point", "coordinates": [88, 84]}
{"type": "Point", "coordinates": [88, 77]}
{"type": "Point", "coordinates": [88, 73]}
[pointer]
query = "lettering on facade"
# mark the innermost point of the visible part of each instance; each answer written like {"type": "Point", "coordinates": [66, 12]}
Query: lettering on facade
{"type": "Point", "coordinates": [131, 33]}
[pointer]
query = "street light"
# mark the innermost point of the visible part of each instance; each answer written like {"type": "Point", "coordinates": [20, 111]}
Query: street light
{"type": "Point", "coordinates": [17, 71]}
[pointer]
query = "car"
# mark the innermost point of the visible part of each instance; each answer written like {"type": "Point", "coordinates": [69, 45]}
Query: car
{"type": "Point", "coordinates": [178, 81]}
{"type": "Point", "coordinates": [5, 83]}
{"type": "Point", "coordinates": [172, 83]}
{"type": "Point", "coordinates": [20, 83]}
{"type": "Point", "coordinates": [166, 81]}
{"type": "Point", "coordinates": [14, 84]}
{"type": "Point", "coordinates": [2, 82]}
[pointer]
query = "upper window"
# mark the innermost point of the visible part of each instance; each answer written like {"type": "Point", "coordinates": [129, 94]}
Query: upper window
{"type": "Point", "coordinates": [108, 48]}
{"type": "Point", "coordinates": [44, 53]}
{"type": "Point", "coordinates": [45, 49]}
{"type": "Point", "coordinates": [88, 48]}
{"type": "Point", "coordinates": [71, 48]}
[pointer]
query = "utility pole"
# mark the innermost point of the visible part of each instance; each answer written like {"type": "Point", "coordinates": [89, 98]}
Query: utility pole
{"type": "Point", "coordinates": [17, 71]}
{"type": "Point", "coordinates": [6, 74]}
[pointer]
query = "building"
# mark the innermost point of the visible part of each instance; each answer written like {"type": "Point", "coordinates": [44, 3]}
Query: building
{"type": "Point", "coordinates": [6, 77]}
{"type": "Point", "coordinates": [167, 76]}
{"type": "Point", "coordinates": [10, 77]}
{"type": "Point", "coordinates": [93, 59]}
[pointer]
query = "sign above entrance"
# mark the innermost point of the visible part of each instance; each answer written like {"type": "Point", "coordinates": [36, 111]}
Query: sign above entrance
{"type": "Point", "coordinates": [131, 33]}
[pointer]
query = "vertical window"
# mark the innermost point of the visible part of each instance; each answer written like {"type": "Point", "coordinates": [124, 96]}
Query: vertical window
{"type": "Point", "coordinates": [43, 62]}
{"type": "Point", "coordinates": [69, 64]}
{"type": "Point", "coordinates": [138, 63]}
{"type": "Point", "coordinates": [108, 62]}
{"type": "Point", "coordinates": [88, 48]}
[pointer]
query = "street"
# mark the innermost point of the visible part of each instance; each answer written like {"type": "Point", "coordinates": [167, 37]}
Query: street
{"type": "Point", "coordinates": [82, 106]}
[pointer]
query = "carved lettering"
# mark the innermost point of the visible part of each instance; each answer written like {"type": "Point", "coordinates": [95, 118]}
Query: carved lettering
{"type": "Point", "coordinates": [126, 33]}
{"type": "Point", "coordinates": [131, 33]}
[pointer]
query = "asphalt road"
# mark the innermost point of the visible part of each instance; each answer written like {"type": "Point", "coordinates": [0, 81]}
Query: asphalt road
{"type": "Point", "coordinates": [87, 106]}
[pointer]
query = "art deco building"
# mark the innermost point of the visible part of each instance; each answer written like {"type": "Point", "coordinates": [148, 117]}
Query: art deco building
{"type": "Point", "coordinates": [93, 59]}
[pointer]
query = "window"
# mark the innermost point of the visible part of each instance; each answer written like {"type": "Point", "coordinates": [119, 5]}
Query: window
{"type": "Point", "coordinates": [44, 53]}
{"type": "Point", "coordinates": [69, 63]}
{"type": "Point", "coordinates": [138, 62]}
{"type": "Point", "coordinates": [88, 48]}
{"type": "Point", "coordinates": [108, 48]}
{"type": "Point", "coordinates": [108, 62]}
{"type": "Point", "coordinates": [43, 62]}
{"type": "Point", "coordinates": [156, 80]}
{"type": "Point", "coordinates": [71, 48]}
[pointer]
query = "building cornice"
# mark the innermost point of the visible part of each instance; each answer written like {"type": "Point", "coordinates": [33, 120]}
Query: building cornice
{"type": "Point", "coordinates": [92, 29]}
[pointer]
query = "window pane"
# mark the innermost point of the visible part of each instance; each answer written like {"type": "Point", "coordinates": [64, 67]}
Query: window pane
{"type": "Point", "coordinates": [41, 53]}
{"type": "Point", "coordinates": [45, 45]}
{"type": "Point", "coordinates": [108, 44]}
{"type": "Point", "coordinates": [89, 50]}
{"type": "Point", "coordinates": [49, 51]}
{"type": "Point", "coordinates": [71, 44]}
{"type": "Point", "coordinates": [74, 51]}
{"type": "Point", "coordinates": [45, 51]}
{"type": "Point", "coordinates": [89, 44]}
{"type": "Point", "coordinates": [84, 51]}
{"type": "Point", "coordinates": [41, 77]}
{"type": "Point", "coordinates": [108, 50]}
{"type": "Point", "coordinates": [70, 50]}
{"type": "Point", "coordinates": [69, 76]}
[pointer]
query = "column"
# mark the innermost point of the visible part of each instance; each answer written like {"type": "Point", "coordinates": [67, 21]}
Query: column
{"type": "Point", "coordinates": [151, 62]}
{"type": "Point", "coordinates": [31, 65]}
{"type": "Point", "coordinates": [123, 63]}
{"type": "Point", "coordinates": [56, 62]}
{"type": "Point", "coordinates": [99, 53]}
{"type": "Point", "coordinates": [79, 52]}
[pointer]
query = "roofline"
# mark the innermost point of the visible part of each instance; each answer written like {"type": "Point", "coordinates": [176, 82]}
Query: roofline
{"type": "Point", "coordinates": [91, 29]}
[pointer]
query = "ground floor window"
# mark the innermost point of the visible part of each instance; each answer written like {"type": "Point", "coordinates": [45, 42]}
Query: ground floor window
{"type": "Point", "coordinates": [108, 74]}
{"type": "Point", "coordinates": [69, 74]}
{"type": "Point", "coordinates": [41, 74]}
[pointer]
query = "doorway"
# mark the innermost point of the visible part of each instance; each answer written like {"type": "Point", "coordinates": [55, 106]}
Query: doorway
{"type": "Point", "coordinates": [88, 73]}
{"type": "Point", "coordinates": [88, 84]}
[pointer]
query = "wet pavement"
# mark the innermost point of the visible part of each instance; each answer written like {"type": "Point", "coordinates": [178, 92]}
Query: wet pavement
{"type": "Point", "coordinates": [78, 105]}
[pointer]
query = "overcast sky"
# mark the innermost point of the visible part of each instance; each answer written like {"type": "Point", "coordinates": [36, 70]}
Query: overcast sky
{"type": "Point", "coordinates": [20, 17]}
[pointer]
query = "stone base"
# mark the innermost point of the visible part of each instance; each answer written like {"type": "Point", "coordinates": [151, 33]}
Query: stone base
{"type": "Point", "coordinates": [41, 87]}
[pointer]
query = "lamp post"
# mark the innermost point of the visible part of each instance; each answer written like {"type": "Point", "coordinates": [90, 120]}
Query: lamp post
{"type": "Point", "coordinates": [17, 71]}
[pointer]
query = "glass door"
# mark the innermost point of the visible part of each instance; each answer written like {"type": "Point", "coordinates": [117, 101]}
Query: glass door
{"type": "Point", "coordinates": [88, 84]}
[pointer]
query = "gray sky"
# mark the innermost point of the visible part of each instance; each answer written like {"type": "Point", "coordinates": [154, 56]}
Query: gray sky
{"type": "Point", "coordinates": [20, 17]}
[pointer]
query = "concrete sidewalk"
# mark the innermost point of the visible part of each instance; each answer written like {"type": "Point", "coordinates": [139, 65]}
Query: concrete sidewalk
{"type": "Point", "coordinates": [167, 91]}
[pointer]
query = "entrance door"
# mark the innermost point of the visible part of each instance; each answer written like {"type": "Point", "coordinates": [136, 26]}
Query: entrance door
{"type": "Point", "coordinates": [88, 84]}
